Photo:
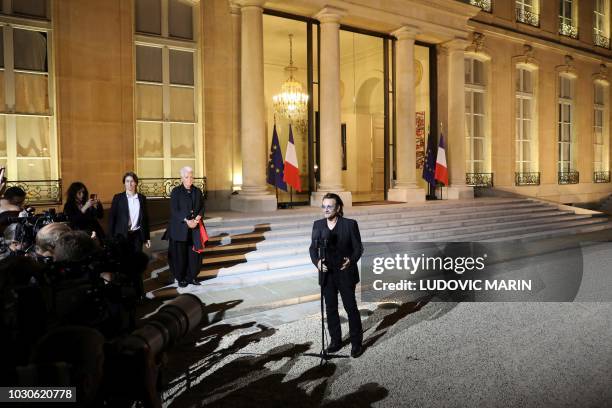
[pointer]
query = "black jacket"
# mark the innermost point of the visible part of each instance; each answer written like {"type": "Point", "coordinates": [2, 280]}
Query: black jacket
{"type": "Point", "coordinates": [343, 241]}
{"type": "Point", "coordinates": [87, 221]}
{"type": "Point", "coordinates": [184, 205]}
{"type": "Point", "coordinates": [119, 218]}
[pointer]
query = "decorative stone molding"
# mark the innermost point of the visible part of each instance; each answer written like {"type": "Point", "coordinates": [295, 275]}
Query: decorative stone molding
{"type": "Point", "coordinates": [406, 32]}
{"type": "Point", "coordinates": [477, 44]}
{"type": "Point", "coordinates": [456, 44]}
{"type": "Point", "coordinates": [567, 68]}
{"type": "Point", "coordinates": [477, 48]}
{"type": "Point", "coordinates": [250, 3]}
{"type": "Point", "coordinates": [234, 7]}
{"type": "Point", "coordinates": [329, 14]}
{"type": "Point", "coordinates": [526, 59]}
{"type": "Point", "coordinates": [602, 75]}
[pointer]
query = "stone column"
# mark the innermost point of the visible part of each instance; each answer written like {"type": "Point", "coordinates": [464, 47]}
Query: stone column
{"type": "Point", "coordinates": [254, 195]}
{"type": "Point", "coordinates": [331, 148]}
{"type": "Point", "coordinates": [236, 150]}
{"type": "Point", "coordinates": [455, 129]}
{"type": "Point", "coordinates": [405, 188]}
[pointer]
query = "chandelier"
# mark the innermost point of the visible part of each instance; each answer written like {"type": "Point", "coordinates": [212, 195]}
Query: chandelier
{"type": "Point", "coordinates": [291, 102]}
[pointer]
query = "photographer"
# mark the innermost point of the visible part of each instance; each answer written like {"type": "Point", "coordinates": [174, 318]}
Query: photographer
{"type": "Point", "coordinates": [47, 238]}
{"type": "Point", "coordinates": [74, 246]}
{"type": "Point", "coordinates": [11, 205]}
{"type": "Point", "coordinates": [83, 212]}
{"type": "Point", "coordinates": [13, 241]}
{"type": "Point", "coordinates": [12, 200]}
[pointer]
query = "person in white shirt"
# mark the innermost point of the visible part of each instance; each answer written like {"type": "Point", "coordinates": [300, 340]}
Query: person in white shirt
{"type": "Point", "coordinates": [128, 215]}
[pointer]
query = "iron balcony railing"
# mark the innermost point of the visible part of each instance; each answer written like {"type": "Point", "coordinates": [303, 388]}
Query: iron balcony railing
{"type": "Point", "coordinates": [162, 187]}
{"type": "Point", "coordinates": [40, 192]}
{"type": "Point", "coordinates": [601, 177]}
{"type": "Point", "coordinates": [527, 17]}
{"type": "Point", "coordinates": [483, 4]}
{"type": "Point", "coordinates": [568, 30]}
{"type": "Point", "coordinates": [600, 40]}
{"type": "Point", "coordinates": [527, 178]}
{"type": "Point", "coordinates": [568, 177]}
{"type": "Point", "coordinates": [479, 179]}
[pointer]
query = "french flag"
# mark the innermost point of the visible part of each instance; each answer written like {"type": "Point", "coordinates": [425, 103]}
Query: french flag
{"type": "Point", "coordinates": [292, 170]}
{"type": "Point", "coordinates": [441, 173]}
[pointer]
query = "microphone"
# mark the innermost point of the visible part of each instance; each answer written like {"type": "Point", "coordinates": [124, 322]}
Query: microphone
{"type": "Point", "coordinates": [323, 244]}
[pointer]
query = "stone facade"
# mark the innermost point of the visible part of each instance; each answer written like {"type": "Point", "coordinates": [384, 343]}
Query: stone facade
{"type": "Point", "coordinates": [94, 60]}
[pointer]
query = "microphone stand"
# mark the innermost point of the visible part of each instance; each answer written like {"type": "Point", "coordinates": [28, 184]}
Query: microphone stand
{"type": "Point", "coordinates": [321, 255]}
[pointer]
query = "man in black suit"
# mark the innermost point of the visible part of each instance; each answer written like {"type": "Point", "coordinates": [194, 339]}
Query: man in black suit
{"type": "Point", "coordinates": [186, 211]}
{"type": "Point", "coordinates": [342, 242]}
{"type": "Point", "coordinates": [128, 215]}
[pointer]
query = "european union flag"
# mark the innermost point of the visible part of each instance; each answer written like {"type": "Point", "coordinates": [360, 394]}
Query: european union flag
{"type": "Point", "coordinates": [429, 168]}
{"type": "Point", "coordinates": [276, 168]}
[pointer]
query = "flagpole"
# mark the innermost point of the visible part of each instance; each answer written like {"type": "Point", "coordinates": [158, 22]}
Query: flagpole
{"type": "Point", "coordinates": [441, 185]}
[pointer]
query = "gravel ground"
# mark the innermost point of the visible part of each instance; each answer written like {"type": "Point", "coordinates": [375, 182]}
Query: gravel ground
{"type": "Point", "coordinates": [427, 354]}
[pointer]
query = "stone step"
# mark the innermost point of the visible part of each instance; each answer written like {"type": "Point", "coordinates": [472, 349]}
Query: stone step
{"type": "Point", "coordinates": [528, 231]}
{"type": "Point", "coordinates": [299, 245]}
{"type": "Point", "coordinates": [282, 230]}
{"type": "Point", "coordinates": [296, 215]}
{"type": "Point", "coordinates": [294, 257]}
{"type": "Point", "coordinates": [556, 232]}
{"type": "Point", "coordinates": [265, 235]}
{"type": "Point", "coordinates": [402, 213]}
{"type": "Point", "coordinates": [288, 237]}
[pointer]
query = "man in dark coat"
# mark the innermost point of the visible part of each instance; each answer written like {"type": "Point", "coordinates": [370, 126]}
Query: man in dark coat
{"type": "Point", "coordinates": [342, 249]}
{"type": "Point", "coordinates": [128, 215]}
{"type": "Point", "coordinates": [186, 211]}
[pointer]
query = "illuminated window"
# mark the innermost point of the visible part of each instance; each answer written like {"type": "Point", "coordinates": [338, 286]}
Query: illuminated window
{"type": "Point", "coordinates": [475, 115]}
{"type": "Point", "coordinates": [601, 29]}
{"type": "Point", "coordinates": [567, 19]}
{"type": "Point", "coordinates": [565, 124]}
{"type": "Point", "coordinates": [600, 128]}
{"type": "Point", "coordinates": [167, 108]}
{"type": "Point", "coordinates": [28, 144]}
{"type": "Point", "coordinates": [525, 130]}
{"type": "Point", "coordinates": [527, 12]}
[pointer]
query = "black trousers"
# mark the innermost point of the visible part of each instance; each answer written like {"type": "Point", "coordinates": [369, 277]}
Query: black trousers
{"type": "Point", "coordinates": [333, 283]}
{"type": "Point", "coordinates": [134, 241]}
{"type": "Point", "coordinates": [186, 263]}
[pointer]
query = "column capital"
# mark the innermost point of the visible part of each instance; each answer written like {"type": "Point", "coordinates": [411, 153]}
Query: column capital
{"type": "Point", "coordinates": [249, 3]}
{"type": "Point", "coordinates": [406, 32]}
{"type": "Point", "coordinates": [234, 7]}
{"type": "Point", "coordinates": [456, 44]}
{"type": "Point", "coordinates": [329, 14]}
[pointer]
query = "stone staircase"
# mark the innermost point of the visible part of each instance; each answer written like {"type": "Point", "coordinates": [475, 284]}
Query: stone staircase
{"type": "Point", "coordinates": [606, 205]}
{"type": "Point", "coordinates": [272, 249]}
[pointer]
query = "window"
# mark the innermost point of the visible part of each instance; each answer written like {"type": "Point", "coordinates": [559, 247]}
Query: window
{"type": "Point", "coordinates": [600, 24]}
{"type": "Point", "coordinates": [524, 111]}
{"type": "Point", "coordinates": [565, 124]}
{"type": "Point", "coordinates": [167, 119]}
{"type": "Point", "coordinates": [567, 19]}
{"type": "Point", "coordinates": [475, 115]}
{"type": "Point", "coordinates": [527, 12]}
{"type": "Point", "coordinates": [28, 146]}
{"type": "Point", "coordinates": [600, 138]}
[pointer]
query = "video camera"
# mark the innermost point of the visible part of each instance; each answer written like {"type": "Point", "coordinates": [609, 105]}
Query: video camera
{"type": "Point", "coordinates": [30, 223]}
